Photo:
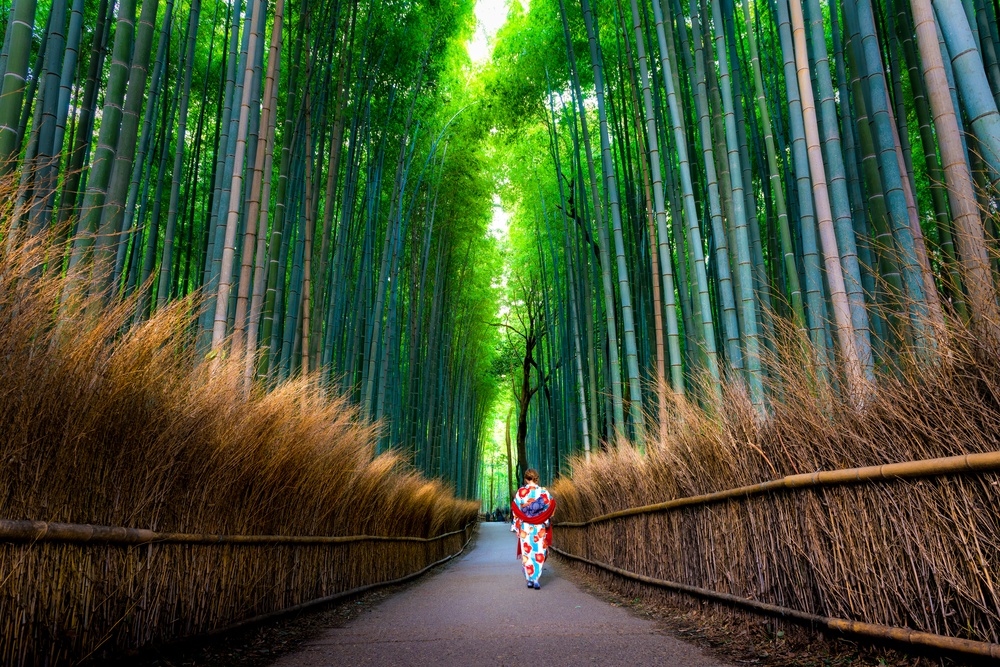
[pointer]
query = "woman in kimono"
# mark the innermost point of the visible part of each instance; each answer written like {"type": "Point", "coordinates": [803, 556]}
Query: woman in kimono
{"type": "Point", "coordinates": [532, 509]}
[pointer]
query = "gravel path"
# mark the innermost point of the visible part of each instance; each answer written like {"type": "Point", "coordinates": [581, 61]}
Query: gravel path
{"type": "Point", "coordinates": [478, 611]}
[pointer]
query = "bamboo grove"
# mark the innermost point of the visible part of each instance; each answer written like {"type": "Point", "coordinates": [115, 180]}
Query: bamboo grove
{"type": "Point", "coordinates": [698, 183]}
{"type": "Point", "coordinates": [308, 169]}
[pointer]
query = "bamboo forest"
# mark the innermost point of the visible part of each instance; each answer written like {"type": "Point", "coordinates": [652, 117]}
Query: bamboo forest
{"type": "Point", "coordinates": [295, 295]}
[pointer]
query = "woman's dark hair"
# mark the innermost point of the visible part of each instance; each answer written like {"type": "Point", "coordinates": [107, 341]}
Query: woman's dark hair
{"type": "Point", "coordinates": [531, 475]}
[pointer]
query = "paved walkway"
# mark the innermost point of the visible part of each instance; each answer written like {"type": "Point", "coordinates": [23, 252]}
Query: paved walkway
{"type": "Point", "coordinates": [477, 611]}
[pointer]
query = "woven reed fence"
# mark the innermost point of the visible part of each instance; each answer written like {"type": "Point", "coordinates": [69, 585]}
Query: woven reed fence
{"type": "Point", "coordinates": [908, 552]}
{"type": "Point", "coordinates": [69, 592]}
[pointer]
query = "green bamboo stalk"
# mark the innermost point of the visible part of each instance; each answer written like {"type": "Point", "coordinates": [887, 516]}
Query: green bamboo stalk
{"type": "Point", "coordinates": [107, 140]}
{"type": "Point", "coordinates": [574, 328]}
{"type": "Point", "coordinates": [973, 86]}
{"type": "Point", "coordinates": [112, 215]}
{"type": "Point", "coordinates": [762, 287]}
{"type": "Point", "coordinates": [851, 166]}
{"type": "Point", "coordinates": [774, 178]}
{"type": "Point", "coordinates": [5, 49]}
{"type": "Point", "coordinates": [848, 343]}
{"type": "Point", "coordinates": [888, 266]}
{"type": "Point", "coordinates": [163, 292]}
{"type": "Point", "coordinates": [261, 194]}
{"type": "Point", "coordinates": [83, 129]}
{"type": "Point", "coordinates": [235, 189]}
{"type": "Point", "coordinates": [837, 187]}
{"type": "Point", "coordinates": [815, 306]}
{"type": "Point", "coordinates": [951, 279]}
{"type": "Point", "coordinates": [152, 238]}
{"type": "Point", "coordinates": [892, 176]}
{"type": "Point", "coordinates": [19, 29]}
{"type": "Point", "coordinates": [989, 41]}
{"type": "Point", "coordinates": [581, 113]}
{"type": "Point", "coordinates": [46, 162]}
{"type": "Point", "coordinates": [695, 244]}
{"type": "Point", "coordinates": [309, 223]}
{"type": "Point", "coordinates": [222, 175]}
{"type": "Point", "coordinates": [751, 334]}
{"type": "Point", "coordinates": [724, 286]}
{"type": "Point", "coordinates": [968, 226]}
{"type": "Point", "coordinates": [659, 209]}
{"type": "Point", "coordinates": [608, 171]}
{"type": "Point", "coordinates": [143, 162]}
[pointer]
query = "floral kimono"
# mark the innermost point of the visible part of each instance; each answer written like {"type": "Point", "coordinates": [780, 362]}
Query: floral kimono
{"type": "Point", "coordinates": [532, 508]}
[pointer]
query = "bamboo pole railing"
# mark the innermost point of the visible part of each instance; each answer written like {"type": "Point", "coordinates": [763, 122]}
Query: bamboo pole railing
{"type": "Point", "coordinates": [78, 533]}
{"type": "Point", "coordinates": [948, 465]}
{"type": "Point", "coordinates": [937, 467]}
{"type": "Point", "coordinates": [209, 621]}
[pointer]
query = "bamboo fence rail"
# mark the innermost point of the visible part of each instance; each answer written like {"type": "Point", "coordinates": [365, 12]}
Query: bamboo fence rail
{"type": "Point", "coordinates": [948, 465]}
{"type": "Point", "coordinates": [73, 593]}
{"type": "Point", "coordinates": [863, 551]}
{"type": "Point", "coordinates": [42, 531]}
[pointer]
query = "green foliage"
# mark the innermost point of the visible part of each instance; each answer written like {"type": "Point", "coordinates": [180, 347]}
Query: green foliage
{"type": "Point", "coordinates": [529, 46]}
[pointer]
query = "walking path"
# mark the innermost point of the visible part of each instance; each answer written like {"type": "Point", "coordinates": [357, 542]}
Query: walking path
{"type": "Point", "coordinates": [477, 611]}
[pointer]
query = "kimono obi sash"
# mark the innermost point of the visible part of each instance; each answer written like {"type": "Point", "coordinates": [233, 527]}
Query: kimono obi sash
{"type": "Point", "coordinates": [537, 511]}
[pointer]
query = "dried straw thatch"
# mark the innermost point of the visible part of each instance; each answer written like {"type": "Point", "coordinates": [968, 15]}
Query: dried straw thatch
{"type": "Point", "coordinates": [118, 426]}
{"type": "Point", "coordinates": [920, 553]}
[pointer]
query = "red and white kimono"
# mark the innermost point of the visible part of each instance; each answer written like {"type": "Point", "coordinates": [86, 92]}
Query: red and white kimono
{"type": "Point", "coordinates": [532, 509]}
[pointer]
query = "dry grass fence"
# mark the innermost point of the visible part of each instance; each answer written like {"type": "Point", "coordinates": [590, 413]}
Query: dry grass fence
{"type": "Point", "coordinates": [108, 424]}
{"type": "Point", "coordinates": [73, 600]}
{"type": "Point", "coordinates": [737, 513]}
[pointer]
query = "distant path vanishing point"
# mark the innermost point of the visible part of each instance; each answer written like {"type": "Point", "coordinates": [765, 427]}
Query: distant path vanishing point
{"type": "Point", "coordinates": [477, 611]}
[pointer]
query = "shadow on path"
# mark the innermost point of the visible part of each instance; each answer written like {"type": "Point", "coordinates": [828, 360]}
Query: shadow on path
{"type": "Point", "coordinates": [478, 611]}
